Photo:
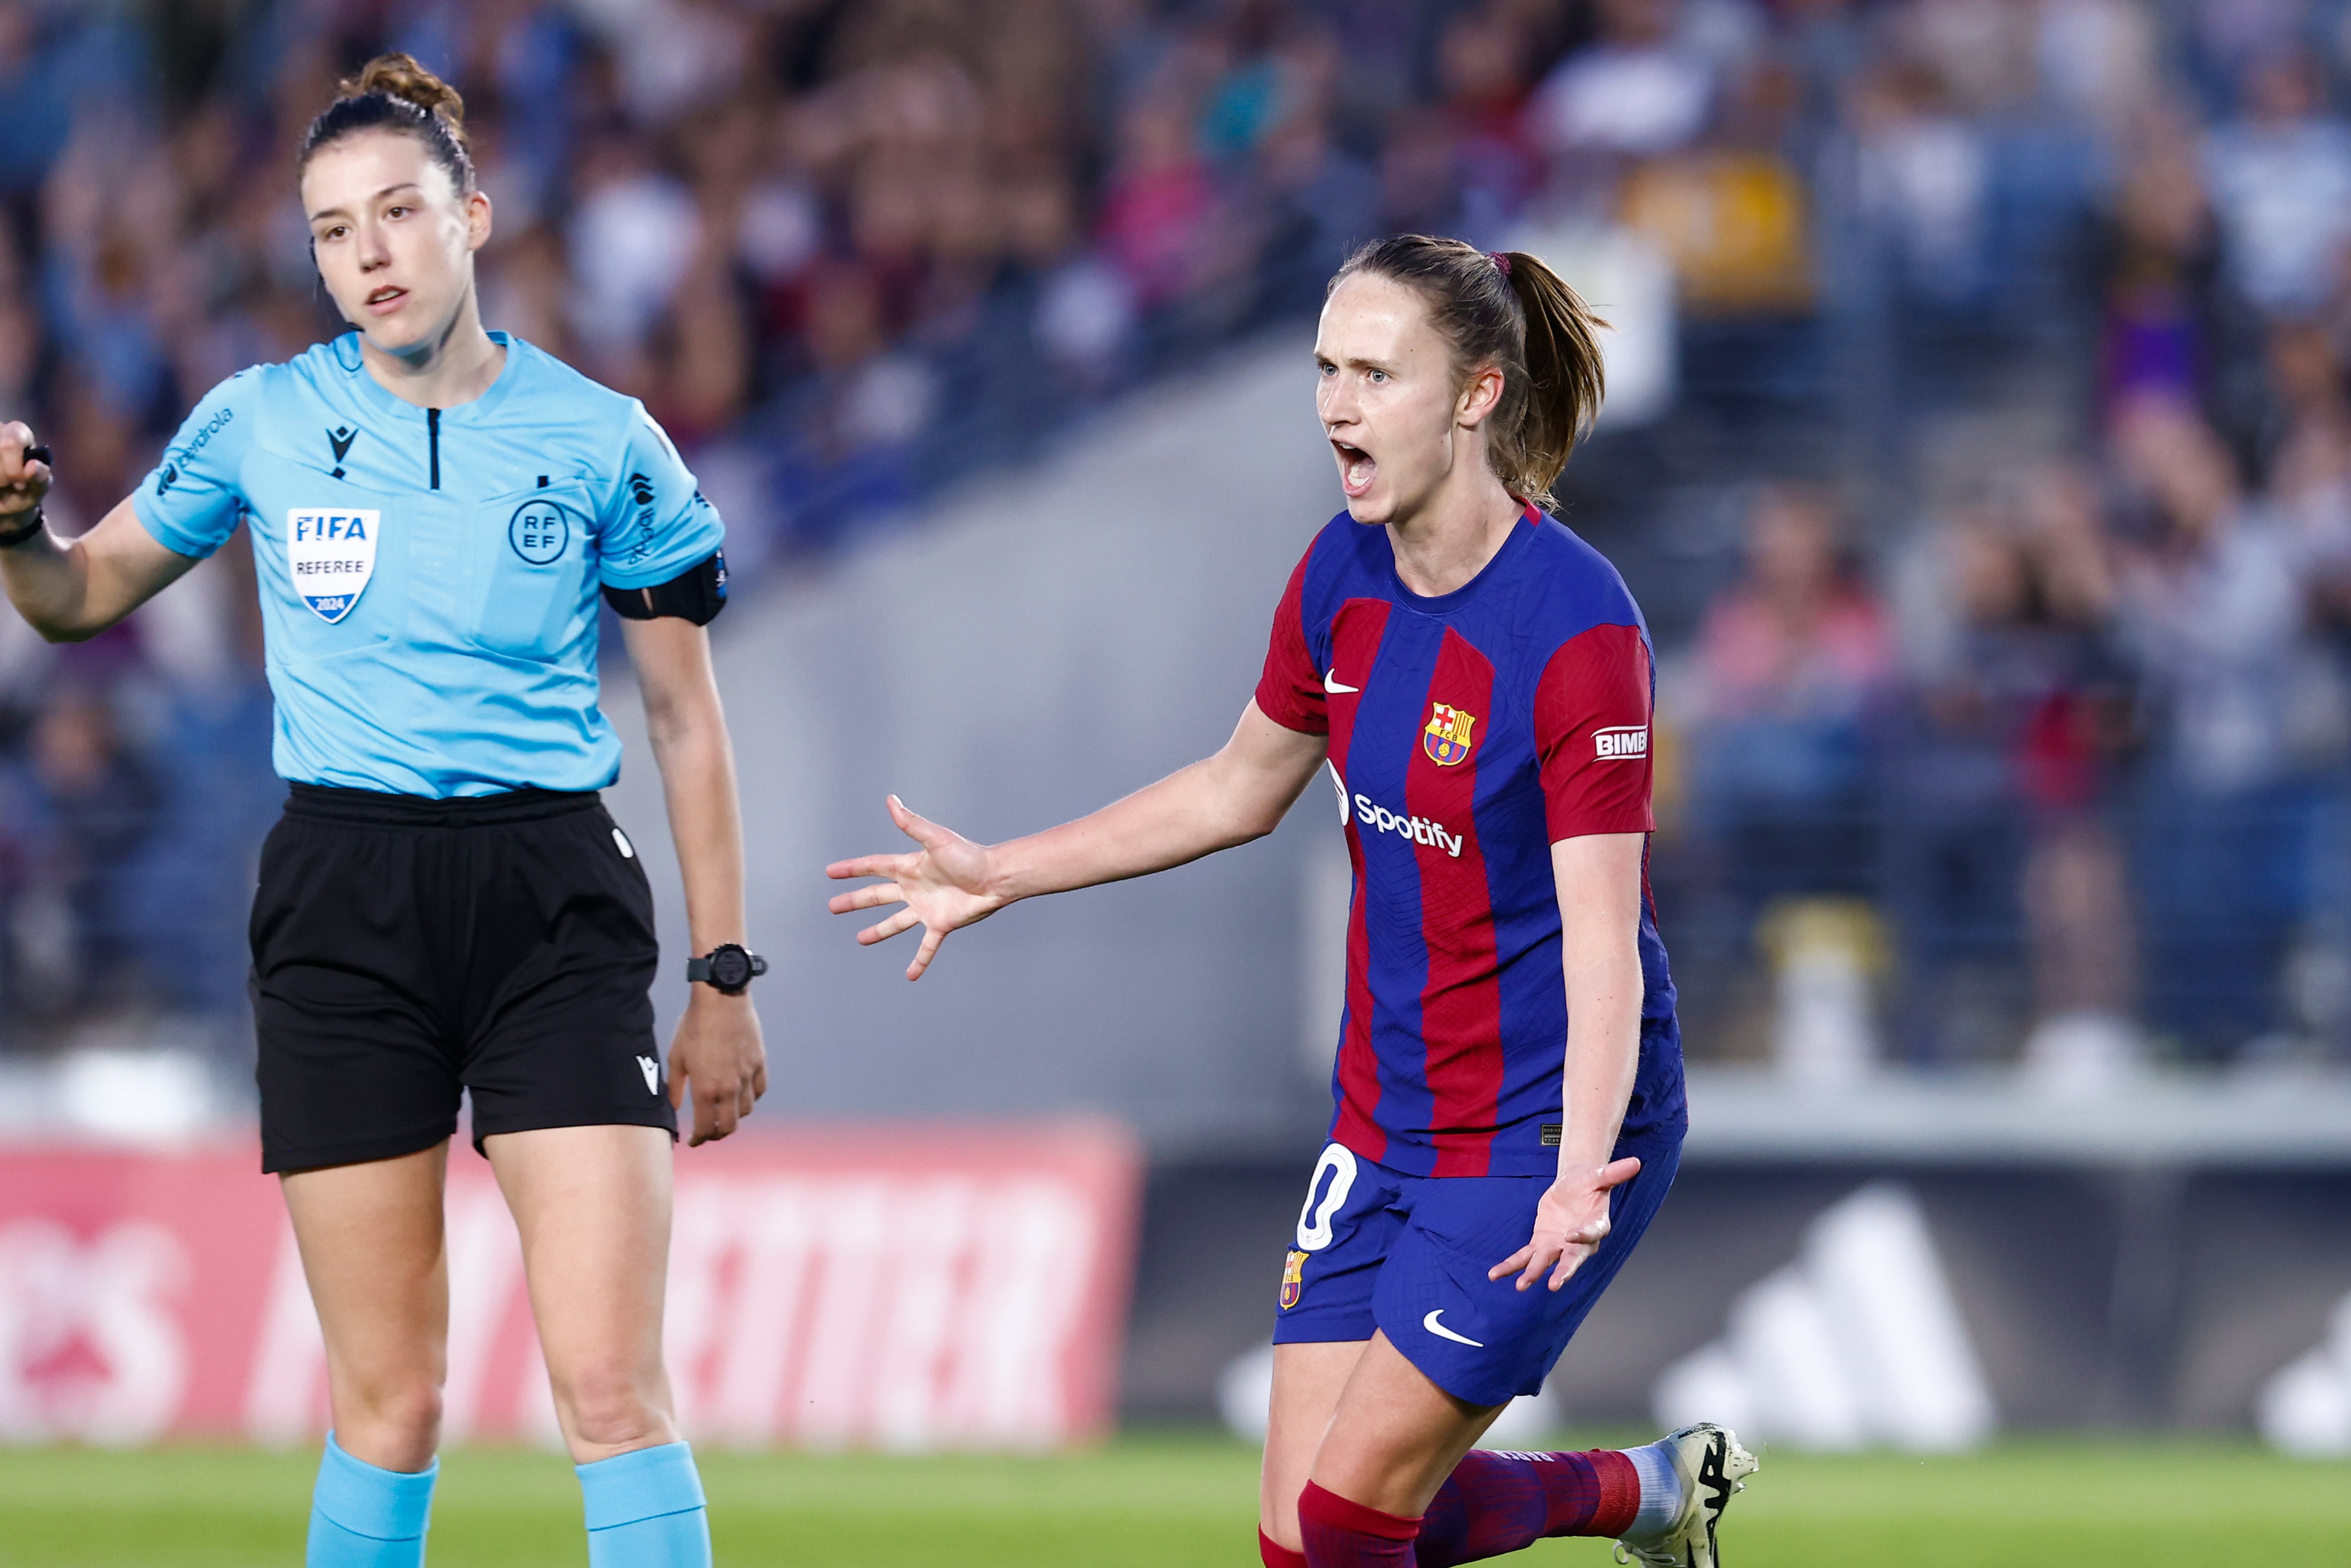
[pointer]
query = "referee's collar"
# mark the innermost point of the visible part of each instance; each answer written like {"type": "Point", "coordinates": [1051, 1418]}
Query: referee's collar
{"type": "Point", "coordinates": [348, 360]}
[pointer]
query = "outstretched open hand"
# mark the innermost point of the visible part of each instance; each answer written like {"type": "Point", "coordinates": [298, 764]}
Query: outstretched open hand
{"type": "Point", "coordinates": [943, 886]}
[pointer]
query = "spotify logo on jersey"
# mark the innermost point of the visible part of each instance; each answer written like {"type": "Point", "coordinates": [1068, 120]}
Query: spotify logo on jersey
{"type": "Point", "coordinates": [539, 530]}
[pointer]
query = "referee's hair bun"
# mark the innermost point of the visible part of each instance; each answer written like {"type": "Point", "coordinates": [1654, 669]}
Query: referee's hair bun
{"type": "Point", "coordinates": [392, 92]}
{"type": "Point", "coordinates": [402, 77]}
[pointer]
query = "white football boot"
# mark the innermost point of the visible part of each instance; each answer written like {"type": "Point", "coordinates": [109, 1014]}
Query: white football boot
{"type": "Point", "coordinates": [1711, 1466]}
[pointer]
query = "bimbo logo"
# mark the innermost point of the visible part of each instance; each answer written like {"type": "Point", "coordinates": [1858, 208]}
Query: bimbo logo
{"type": "Point", "coordinates": [1624, 740]}
{"type": "Point", "coordinates": [330, 555]}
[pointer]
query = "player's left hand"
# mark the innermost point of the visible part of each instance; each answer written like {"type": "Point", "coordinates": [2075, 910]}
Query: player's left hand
{"type": "Point", "coordinates": [718, 1061]}
{"type": "Point", "coordinates": [1569, 1222]}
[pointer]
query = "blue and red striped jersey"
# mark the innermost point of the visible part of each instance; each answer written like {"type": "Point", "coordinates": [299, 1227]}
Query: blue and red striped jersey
{"type": "Point", "coordinates": [1468, 733]}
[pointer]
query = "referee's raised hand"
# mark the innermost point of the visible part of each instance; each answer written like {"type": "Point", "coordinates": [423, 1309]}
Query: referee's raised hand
{"type": "Point", "coordinates": [70, 590]}
{"type": "Point", "coordinates": [25, 473]}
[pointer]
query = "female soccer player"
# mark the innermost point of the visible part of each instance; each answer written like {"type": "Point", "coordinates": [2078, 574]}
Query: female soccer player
{"type": "Point", "coordinates": [1509, 1082]}
{"type": "Point", "coordinates": [446, 904]}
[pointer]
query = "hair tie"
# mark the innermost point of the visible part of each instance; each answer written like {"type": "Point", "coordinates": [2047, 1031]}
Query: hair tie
{"type": "Point", "coordinates": [1502, 262]}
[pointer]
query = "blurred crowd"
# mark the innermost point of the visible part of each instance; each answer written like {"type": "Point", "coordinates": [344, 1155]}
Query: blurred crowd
{"type": "Point", "coordinates": [2007, 391]}
{"type": "Point", "coordinates": [2031, 708]}
{"type": "Point", "coordinates": [2060, 770]}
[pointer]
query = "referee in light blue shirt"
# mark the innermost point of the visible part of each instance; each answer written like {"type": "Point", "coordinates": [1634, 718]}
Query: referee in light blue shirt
{"type": "Point", "coordinates": [435, 511]}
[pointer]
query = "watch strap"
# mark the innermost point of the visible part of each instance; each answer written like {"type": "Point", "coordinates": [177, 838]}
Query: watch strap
{"type": "Point", "coordinates": [701, 969]}
{"type": "Point", "coordinates": [29, 523]}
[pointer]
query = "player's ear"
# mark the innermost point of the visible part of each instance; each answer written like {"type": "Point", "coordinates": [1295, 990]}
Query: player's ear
{"type": "Point", "coordinates": [1479, 396]}
{"type": "Point", "coordinates": [477, 219]}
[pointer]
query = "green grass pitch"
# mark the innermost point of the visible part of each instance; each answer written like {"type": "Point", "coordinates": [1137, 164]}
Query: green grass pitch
{"type": "Point", "coordinates": [1166, 1501]}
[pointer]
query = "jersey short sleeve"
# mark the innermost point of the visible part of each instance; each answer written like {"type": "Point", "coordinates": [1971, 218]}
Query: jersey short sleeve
{"type": "Point", "coordinates": [654, 523]}
{"type": "Point", "coordinates": [1290, 691]}
{"type": "Point", "coordinates": [1591, 733]}
{"type": "Point", "coordinates": [192, 501]}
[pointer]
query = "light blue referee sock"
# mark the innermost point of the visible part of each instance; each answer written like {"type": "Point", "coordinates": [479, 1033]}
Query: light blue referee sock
{"type": "Point", "coordinates": [1661, 1492]}
{"type": "Point", "coordinates": [645, 1510]}
{"type": "Point", "coordinates": [362, 1517]}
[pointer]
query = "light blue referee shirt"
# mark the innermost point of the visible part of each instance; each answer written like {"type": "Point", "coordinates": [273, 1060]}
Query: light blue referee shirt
{"type": "Point", "coordinates": [429, 576]}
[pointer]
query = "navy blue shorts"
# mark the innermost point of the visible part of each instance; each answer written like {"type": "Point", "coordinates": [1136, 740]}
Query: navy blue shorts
{"type": "Point", "coordinates": [1408, 1255]}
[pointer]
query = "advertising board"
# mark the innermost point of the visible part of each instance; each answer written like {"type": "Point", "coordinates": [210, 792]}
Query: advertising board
{"type": "Point", "coordinates": [910, 1287]}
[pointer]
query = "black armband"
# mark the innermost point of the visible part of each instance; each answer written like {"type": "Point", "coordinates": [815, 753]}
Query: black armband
{"type": "Point", "coordinates": [697, 594]}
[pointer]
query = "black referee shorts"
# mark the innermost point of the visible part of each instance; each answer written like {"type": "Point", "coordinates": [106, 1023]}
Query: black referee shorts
{"type": "Point", "coordinates": [404, 949]}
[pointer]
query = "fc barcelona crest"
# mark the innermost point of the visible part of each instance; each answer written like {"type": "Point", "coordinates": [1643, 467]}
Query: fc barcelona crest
{"type": "Point", "coordinates": [1447, 738]}
{"type": "Point", "coordinates": [1293, 1280]}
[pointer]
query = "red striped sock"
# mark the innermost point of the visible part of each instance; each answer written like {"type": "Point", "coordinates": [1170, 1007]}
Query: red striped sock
{"type": "Point", "coordinates": [1274, 1554]}
{"type": "Point", "coordinates": [1499, 1502]}
{"type": "Point", "coordinates": [1343, 1535]}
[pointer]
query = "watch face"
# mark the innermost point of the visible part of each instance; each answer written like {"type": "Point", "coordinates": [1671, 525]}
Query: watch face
{"type": "Point", "coordinates": [730, 969]}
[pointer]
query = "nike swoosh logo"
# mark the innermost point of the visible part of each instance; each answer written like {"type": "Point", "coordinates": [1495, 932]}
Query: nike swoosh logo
{"type": "Point", "coordinates": [1441, 1331]}
{"type": "Point", "coordinates": [1335, 685]}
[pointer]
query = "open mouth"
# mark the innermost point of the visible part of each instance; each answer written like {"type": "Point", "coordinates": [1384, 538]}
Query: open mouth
{"type": "Point", "coordinates": [386, 298]}
{"type": "Point", "coordinates": [1355, 469]}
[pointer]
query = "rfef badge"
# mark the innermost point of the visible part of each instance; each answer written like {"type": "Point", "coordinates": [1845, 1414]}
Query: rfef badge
{"type": "Point", "coordinates": [1293, 1280]}
{"type": "Point", "coordinates": [331, 555]}
{"type": "Point", "coordinates": [539, 530]}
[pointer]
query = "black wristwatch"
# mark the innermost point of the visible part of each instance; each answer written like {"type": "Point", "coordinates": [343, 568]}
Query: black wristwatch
{"type": "Point", "coordinates": [31, 523]}
{"type": "Point", "coordinates": [727, 968]}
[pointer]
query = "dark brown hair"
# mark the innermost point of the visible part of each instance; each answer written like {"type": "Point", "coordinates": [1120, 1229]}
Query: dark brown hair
{"type": "Point", "coordinates": [1510, 311]}
{"type": "Point", "coordinates": [392, 92]}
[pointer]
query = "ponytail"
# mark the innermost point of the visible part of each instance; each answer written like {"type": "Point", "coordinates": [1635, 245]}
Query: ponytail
{"type": "Point", "coordinates": [1564, 382]}
{"type": "Point", "coordinates": [1508, 310]}
{"type": "Point", "coordinates": [393, 92]}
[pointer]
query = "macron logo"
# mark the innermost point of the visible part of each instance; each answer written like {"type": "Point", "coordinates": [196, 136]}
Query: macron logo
{"type": "Point", "coordinates": [1624, 740]}
{"type": "Point", "coordinates": [652, 1069]}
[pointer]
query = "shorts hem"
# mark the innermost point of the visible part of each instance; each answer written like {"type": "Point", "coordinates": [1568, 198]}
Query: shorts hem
{"type": "Point", "coordinates": [1307, 1333]}
{"type": "Point", "coordinates": [282, 1161]}
{"type": "Point", "coordinates": [595, 1118]}
{"type": "Point", "coordinates": [1474, 1395]}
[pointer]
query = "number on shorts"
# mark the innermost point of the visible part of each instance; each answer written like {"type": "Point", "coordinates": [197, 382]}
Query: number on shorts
{"type": "Point", "coordinates": [1315, 1219]}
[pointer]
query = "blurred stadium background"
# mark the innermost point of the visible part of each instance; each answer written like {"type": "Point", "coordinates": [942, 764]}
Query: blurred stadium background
{"type": "Point", "coordinates": [1980, 449]}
